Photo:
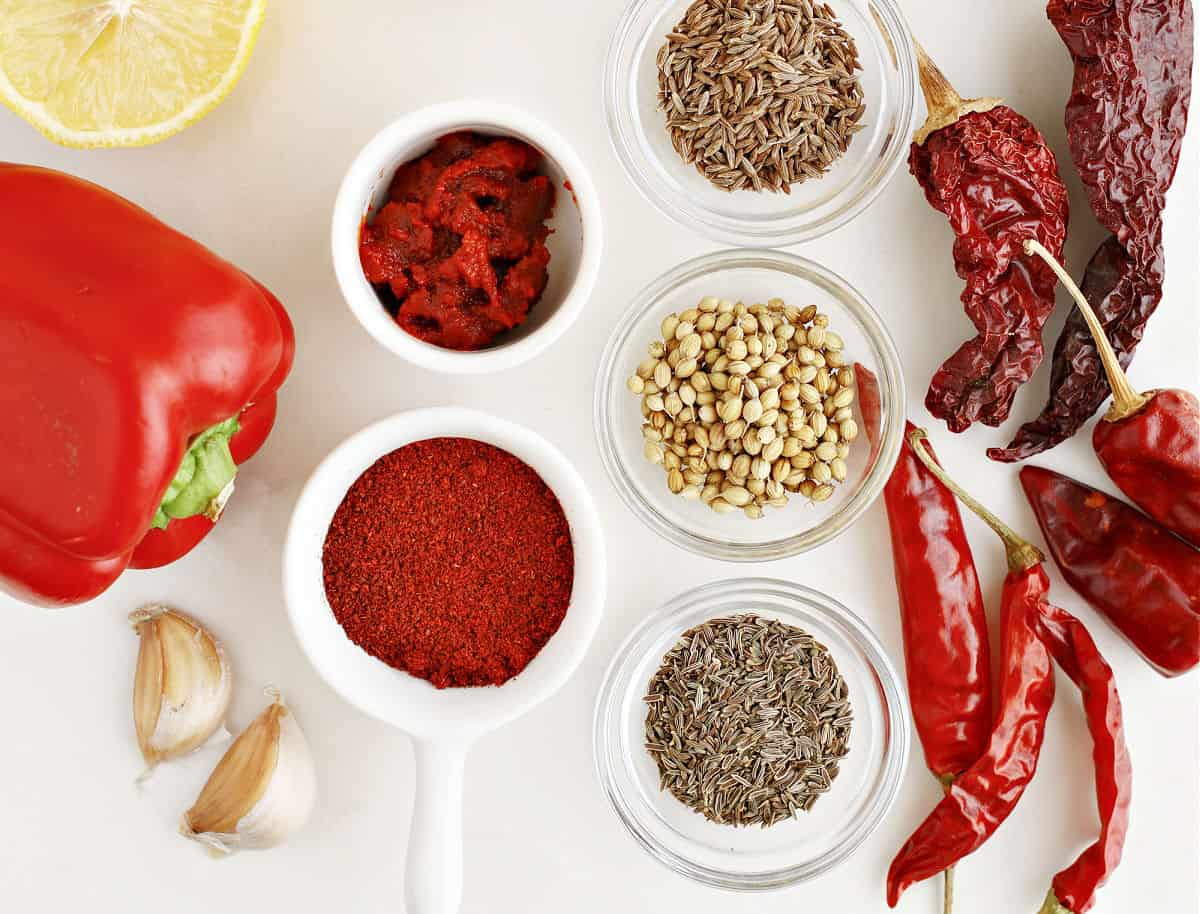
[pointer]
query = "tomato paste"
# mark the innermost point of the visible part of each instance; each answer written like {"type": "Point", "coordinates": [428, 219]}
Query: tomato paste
{"type": "Point", "coordinates": [458, 254]}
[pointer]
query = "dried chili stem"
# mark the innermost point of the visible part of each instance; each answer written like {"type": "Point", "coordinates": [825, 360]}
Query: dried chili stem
{"type": "Point", "coordinates": [1022, 554]}
{"type": "Point", "coordinates": [944, 103]}
{"type": "Point", "coordinates": [948, 872]}
{"type": "Point", "coordinates": [1126, 400]}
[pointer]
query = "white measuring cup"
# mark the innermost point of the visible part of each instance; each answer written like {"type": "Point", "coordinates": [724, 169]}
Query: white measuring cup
{"type": "Point", "coordinates": [443, 723]}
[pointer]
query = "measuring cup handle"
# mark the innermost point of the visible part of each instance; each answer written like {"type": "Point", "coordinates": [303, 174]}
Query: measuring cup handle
{"type": "Point", "coordinates": [434, 873]}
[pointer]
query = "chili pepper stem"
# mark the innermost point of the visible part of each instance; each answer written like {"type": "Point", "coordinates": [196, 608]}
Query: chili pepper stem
{"type": "Point", "coordinates": [1052, 905]}
{"type": "Point", "coordinates": [944, 103]}
{"type": "Point", "coordinates": [947, 874]}
{"type": "Point", "coordinates": [1021, 553]}
{"type": "Point", "coordinates": [1126, 400]}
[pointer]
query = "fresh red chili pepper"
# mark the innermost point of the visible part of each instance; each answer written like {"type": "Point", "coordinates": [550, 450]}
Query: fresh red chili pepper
{"type": "Point", "coordinates": [128, 353]}
{"type": "Point", "coordinates": [1126, 120]}
{"type": "Point", "coordinates": [1142, 578]}
{"type": "Point", "coordinates": [984, 795]}
{"type": "Point", "coordinates": [1149, 443]}
{"type": "Point", "coordinates": [1073, 890]}
{"type": "Point", "coordinates": [163, 546]}
{"type": "Point", "coordinates": [452, 560]}
{"type": "Point", "coordinates": [992, 174]}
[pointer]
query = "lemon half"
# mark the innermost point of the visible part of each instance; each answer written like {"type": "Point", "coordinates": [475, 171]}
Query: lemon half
{"type": "Point", "coordinates": [91, 73]}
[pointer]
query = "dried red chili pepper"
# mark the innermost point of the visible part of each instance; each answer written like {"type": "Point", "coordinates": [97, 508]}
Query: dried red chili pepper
{"type": "Point", "coordinates": [990, 171]}
{"type": "Point", "coordinates": [984, 796]}
{"type": "Point", "coordinates": [452, 560]}
{"type": "Point", "coordinates": [1073, 890]}
{"type": "Point", "coordinates": [1125, 124]}
{"type": "Point", "coordinates": [947, 658]}
{"type": "Point", "coordinates": [1148, 442]}
{"type": "Point", "coordinates": [1142, 578]}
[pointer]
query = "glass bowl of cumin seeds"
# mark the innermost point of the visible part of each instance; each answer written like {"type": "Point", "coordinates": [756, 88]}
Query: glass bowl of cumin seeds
{"type": "Point", "coordinates": [820, 195]}
{"type": "Point", "coordinates": [847, 807]}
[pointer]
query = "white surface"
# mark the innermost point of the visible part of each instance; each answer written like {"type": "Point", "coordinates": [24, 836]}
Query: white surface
{"type": "Point", "coordinates": [256, 181]}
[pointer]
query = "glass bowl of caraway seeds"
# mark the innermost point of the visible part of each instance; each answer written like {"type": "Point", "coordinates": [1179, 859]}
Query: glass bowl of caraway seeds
{"type": "Point", "coordinates": [761, 123]}
{"type": "Point", "coordinates": [751, 734]}
{"type": "Point", "coordinates": [749, 405]}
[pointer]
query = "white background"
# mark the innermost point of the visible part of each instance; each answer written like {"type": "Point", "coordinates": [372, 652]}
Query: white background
{"type": "Point", "coordinates": [256, 182]}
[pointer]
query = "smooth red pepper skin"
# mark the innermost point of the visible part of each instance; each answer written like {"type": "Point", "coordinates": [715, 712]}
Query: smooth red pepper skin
{"type": "Point", "coordinates": [162, 547]}
{"type": "Point", "coordinates": [1076, 653]}
{"type": "Point", "coordinates": [946, 654]}
{"type": "Point", "coordinates": [1153, 455]}
{"type": "Point", "coordinates": [120, 340]}
{"type": "Point", "coordinates": [994, 177]}
{"type": "Point", "coordinates": [870, 404]}
{"type": "Point", "coordinates": [1135, 572]}
{"type": "Point", "coordinates": [983, 797]}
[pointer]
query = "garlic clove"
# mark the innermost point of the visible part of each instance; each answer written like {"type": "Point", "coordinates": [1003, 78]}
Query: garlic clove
{"type": "Point", "coordinates": [261, 791]}
{"type": "Point", "coordinates": [182, 685]}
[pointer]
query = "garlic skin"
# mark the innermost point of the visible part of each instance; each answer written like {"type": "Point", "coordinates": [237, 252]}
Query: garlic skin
{"type": "Point", "coordinates": [182, 685]}
{"type": "Point", "coordinates": [261, 791]}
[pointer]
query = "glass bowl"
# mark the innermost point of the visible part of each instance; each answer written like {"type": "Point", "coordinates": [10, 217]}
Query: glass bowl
{"type": "Point", "coordinates": [754, 859]}
{"type": "Point", "coordinates": [749, 276]}
{"type": "Point", "coordinates": [639, 136]}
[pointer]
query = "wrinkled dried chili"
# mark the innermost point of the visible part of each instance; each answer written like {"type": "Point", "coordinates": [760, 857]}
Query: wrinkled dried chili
{"type": "Point", "coordinates": [1073, 890]}
{"type": "Point", "coordinates": [983, 797]}
{"type": "Point", "coordinates": [1148, 442]}
{"type": "Point", "coordinates": [992, 174]}
{"type": "Point", "coordinates": [1125, 124]}
{"type": "Point", "coordinates": [1143, 579]}
{"type": "Point", "coordinates": [452, 560]}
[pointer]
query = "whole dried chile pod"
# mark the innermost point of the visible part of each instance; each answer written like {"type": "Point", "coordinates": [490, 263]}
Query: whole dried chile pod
{"type": "Point", "coordinates": [986, 794]}
{"type": "Point", "coordinates": [1073, 890]}
{"type": "Point", "coordinates": [993, 176]}
{"type": "Point", "coordinates": [1149, 443]}
{"type": "Point", "coordinates": [1125, 119]}
{"type": "Point", "coordinates": [1142, 578]}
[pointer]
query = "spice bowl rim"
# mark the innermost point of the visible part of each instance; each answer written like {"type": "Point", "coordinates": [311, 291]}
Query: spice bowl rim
{"type": "Point", "coordinates": [312, 619]}
{"type": "Point", "coordinates": [640, 163]}
{"type": "Point", "coordinates": [611, 374]}
{"type": "Point", "coordinates": [412, 134]}
{"type": "Point", "coordinates": [644, 644]}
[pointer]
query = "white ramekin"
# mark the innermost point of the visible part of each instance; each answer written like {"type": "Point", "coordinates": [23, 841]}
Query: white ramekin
{"type": "Point", "coordinates": [575, 245]}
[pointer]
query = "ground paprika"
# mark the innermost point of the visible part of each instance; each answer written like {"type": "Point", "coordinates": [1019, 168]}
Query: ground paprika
{"type": "Point", "coordinates": [452, 560]}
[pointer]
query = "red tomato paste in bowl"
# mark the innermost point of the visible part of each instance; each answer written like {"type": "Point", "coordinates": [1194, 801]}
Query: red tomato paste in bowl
{"type": "Point", "coordinates": [458, 253]}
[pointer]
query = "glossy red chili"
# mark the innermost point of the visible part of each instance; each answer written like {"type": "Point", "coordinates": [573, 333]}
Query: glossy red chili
{"type": "Point", "coordinates": [1142, 578]}
{"type": "Point", "coordinates": [985, 795]}
{"type": "Point", "coordinates": [946, 654]}
{"type": "Point", "coordinates": [1126, 119]}
{"type": "Point", "coordinates": [1073, 890]}
{"type": "Point", "coordinates": [128, 353]}
{"type": "Point", "coordinates": [992, 174]}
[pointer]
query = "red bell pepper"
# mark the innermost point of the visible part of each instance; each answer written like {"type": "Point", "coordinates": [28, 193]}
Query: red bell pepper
{"type": "Point", "coordinates": [137, 369]}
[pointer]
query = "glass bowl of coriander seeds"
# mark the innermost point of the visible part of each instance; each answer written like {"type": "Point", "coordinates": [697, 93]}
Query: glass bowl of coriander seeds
{"type": "Point", "coordinates": [749, 405]}
{"type": "Point", "coordinates": [761, 122]}
{"type": "Point", "coordinates": [751, 734]}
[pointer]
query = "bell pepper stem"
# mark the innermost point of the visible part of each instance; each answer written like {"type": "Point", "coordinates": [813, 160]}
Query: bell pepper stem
{"type": "Point", "coordinates": [204, 481]}
{"type": "Point", "coordinates": [1021, 553]}
{"type": "Point", "coordinates": [945, 105]}
{"type": "Point", "coordinates": [1126, 400]}
{"type": "Point", "coordinates": [1053, 906]}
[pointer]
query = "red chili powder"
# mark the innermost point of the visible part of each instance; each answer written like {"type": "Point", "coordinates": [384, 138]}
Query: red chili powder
{"type": "Point", "coordinates": [452, 560]}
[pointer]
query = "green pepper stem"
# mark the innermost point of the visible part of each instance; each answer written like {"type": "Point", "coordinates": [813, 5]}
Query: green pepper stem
{"type": "Point", "coordinates": [1021, 553]}
{"type": "Point", "coordinates": [1053, 906]}
{"type": "Point", "coordinates": [944, 103]}
{"type": "Point", "coordinates": [1126, 400]}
